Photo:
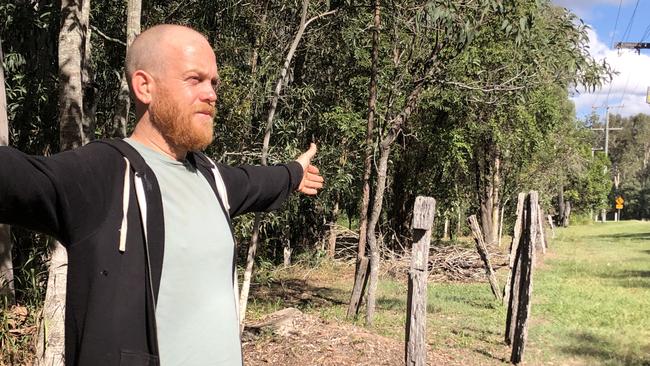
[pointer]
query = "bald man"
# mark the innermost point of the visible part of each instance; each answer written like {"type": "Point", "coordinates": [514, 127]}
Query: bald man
{"type": "Point", "coordinates": [146, 220]}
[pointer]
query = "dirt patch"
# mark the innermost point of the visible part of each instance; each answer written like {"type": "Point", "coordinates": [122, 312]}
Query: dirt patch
{"type": "Point", "coordinates": [314, 341]}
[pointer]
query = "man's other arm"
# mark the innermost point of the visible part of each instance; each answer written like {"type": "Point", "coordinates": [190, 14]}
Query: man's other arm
{"type": "Point", "coordinates": [263, 188]}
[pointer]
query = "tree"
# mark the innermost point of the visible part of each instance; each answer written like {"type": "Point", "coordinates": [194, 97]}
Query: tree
{"type": "Point", "coordinates": [121, 117]}
{"type": "Point", "coordinates": [6, 265]}
{"type": "Point", "coordinates": [434, 34]}
{"type": "Point", "coordinates": [74, 132]}
{"type": "Point", "coordinates": [282, 80]}
{"type": "Point", "coordinates": [360, 281]}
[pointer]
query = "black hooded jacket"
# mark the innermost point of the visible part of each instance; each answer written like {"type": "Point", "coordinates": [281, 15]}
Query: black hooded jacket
{"type": "Point", "coordinates": [78, 198]}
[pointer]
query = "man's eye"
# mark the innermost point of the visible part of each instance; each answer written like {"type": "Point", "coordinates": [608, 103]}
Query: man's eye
{"type": "Point", "coordinates": [194, 79]}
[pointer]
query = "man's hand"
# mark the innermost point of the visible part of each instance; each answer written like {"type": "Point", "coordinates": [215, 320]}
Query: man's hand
{"type": "Point", "coordinates": [311, 179]}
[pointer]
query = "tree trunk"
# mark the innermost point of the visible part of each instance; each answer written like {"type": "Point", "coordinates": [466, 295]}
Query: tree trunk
{"type": "Point", "coordinates": [503, 209]}
{"type": "Point", "coordinates": [560, 206]}
{"type": "Point", "coordinates": [360, 281]}
{"type": "Point", "coordinates": [50, 347]}
{"type": "Point", "coordinates": [445, 231]}
{"type": "Point", "coordinates": [489, 187]}
{"type": "Point", "coordinates": [373, 244]}
{"type": "Point", "coordinates": [121, 117]}
{"type": "Point", "coordinates": [6, 265]}
{"type": "Point", "coordinates": [243, 299]}
{"type": "Point", "coordinates": [286, 253]}
{"type": "Point", "coordinates": [73, 60]}
{"type": "Point", "coordinates": [395, 127]}
{"type": "Point", "coordinates": [567, 214]}
{"type": "Point", "coordinates": [87, 84]}
{"type": "Point", "coordinates": [71, 53]}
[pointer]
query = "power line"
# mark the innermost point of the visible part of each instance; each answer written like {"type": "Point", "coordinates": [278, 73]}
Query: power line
{"type": "Point", "coordinates": [629, 24]}
{"type": "Point", "coordinates": [618, 14]}
{"type": "Point", "coordinates": [646, 33]}
{"type": "Point", "coordinates": [611, 45]}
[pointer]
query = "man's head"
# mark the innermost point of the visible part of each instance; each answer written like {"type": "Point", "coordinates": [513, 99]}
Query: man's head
{"type": "Point", "coordinates": [172, 74]}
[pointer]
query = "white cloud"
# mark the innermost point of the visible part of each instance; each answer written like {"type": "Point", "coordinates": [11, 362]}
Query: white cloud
{"type": "Point", "coordinates": [583, 7]}
{"type": "Point", "coordinates": [630, 83]}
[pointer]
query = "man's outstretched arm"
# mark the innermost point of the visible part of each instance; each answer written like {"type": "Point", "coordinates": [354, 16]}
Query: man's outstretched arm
{"type": "Point", "coordinates": [28, 196]}
{"type": "Point", "coordinates": [264, 188]}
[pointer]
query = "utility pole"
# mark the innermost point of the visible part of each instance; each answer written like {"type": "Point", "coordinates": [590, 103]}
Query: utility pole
{"type": "Point", "coordinates": [603, 213]}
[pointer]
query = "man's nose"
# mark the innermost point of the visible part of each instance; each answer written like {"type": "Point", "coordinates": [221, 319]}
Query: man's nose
{"type": "Point", "coordinates": [208, 94]}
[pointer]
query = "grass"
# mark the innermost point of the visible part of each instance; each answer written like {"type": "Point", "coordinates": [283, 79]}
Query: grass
{"type": "Point", "coordinates": [591, 302]}
{"type": "Point", "coordinates": [593, 296]}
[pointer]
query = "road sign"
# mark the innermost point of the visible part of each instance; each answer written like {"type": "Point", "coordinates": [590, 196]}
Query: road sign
{"type": "Point", "coordinates": [619, 202]}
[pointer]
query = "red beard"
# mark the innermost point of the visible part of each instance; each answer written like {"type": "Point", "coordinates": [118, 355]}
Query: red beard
{"type": "Point", "coordinates": [177, 126]}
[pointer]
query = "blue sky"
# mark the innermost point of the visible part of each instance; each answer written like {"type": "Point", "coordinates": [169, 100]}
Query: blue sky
{"type": "Point", "coordinates": [629, 87]}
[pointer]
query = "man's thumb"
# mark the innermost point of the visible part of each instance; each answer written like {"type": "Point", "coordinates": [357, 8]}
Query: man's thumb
{"type": "Point", "coordinates": [309, 154]}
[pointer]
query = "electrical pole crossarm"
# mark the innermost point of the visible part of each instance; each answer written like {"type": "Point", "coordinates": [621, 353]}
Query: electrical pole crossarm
{"type": "Point", "coordinates": [638, 46]}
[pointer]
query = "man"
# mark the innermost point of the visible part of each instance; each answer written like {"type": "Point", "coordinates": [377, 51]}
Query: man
{"type": "Point", "coordinates": [146, 221]}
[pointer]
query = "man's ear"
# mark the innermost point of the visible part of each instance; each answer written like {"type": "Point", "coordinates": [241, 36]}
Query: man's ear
{"type": "Point", "coordinates": [142, 85]}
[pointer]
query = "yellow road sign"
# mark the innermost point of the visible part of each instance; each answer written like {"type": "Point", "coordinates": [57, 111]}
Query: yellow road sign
{"type": "Point", "coordinates": [619, 200]}
{"type": "Point", "coordinates": [618, 207]}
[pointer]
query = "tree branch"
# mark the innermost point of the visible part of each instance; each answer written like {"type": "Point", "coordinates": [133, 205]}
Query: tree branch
{"type": "Point", "coordinates": [107, 37]}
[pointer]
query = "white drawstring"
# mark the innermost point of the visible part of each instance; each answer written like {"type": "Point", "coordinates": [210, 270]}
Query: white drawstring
{"type": "Point", "coordinates": [126, 193]}
{"type": "Point", "coordinates": [142, 204]}
{"type": "Point", "coordinates": [221, 186]}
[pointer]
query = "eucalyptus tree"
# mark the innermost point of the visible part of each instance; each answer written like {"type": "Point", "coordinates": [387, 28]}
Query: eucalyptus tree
{"type": "Point", "coordinates": [75, 131]}
{"type": "Point", "coordinates": [121, 115]}
{"type": "Point", "coordinates": [504, 82]}
{"type": "Point", "coordinates": [6, 264]}
{"type": "Point", "coordinates": [425, 37]}
{"type": "Point", "coordinates": [282, 80]}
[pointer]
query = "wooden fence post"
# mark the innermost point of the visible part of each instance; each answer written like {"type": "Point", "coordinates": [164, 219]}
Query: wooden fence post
{"type": "Point", "coordinates": [482, 251]}
{"type": "Point", "coordinates": [540, 229]}
{"type": "Point", "coordinates": [550, 224]}
{"type": "Point", "coordinates": [522, 280]}
{"type": "Point", "coordinates": [416, 311]}
{"type": "Point", "coordinates": [516, 235]}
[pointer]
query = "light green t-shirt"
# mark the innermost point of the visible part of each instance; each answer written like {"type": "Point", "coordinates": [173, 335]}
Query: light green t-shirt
{"type": "Point", "coordinates": [196, 313]}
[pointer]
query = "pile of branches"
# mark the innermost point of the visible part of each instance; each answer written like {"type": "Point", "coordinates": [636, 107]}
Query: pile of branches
{"type": "Point", "coordinates": [449, 263]}
{"type": "Point", "coordinates": [454, 263]}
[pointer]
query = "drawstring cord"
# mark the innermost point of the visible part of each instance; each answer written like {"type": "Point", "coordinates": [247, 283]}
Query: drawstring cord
{"type": "Point", "coordinates": [126, 193]}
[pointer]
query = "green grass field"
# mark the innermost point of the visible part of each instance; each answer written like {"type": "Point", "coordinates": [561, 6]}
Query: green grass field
{"type": "Point", "coordinates": [592, 297]}
{"type": "Point", "coordinates": [591, 303]}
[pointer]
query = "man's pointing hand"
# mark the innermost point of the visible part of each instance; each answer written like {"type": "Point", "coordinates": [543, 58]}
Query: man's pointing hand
{"type": "Point", "coordinates": [311, 178]}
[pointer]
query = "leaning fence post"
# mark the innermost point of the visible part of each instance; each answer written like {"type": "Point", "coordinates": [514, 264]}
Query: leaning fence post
{"type": "Point", "coordinates": [516, 235]}
{"type": "Point", "coordinates": [550, 224]}
{"type": "Point", "coordinates": [482, 251]}
{"type": "Point", "coordinates": [416, 313]}
{"type": "Point", "coordinates": [522, 282]}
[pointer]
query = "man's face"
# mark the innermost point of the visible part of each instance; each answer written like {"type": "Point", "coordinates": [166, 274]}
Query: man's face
{"type": "Point", "coordinates": [184, 102]}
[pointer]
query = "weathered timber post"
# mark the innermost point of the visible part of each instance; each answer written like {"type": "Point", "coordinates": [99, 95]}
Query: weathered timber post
{"type": "Point", "coordinates": [549, 218]}
{"type": "Point", "coordinates": [519, 303]}
{"type": "Point", "coordinates": [516, 235]}
{"type": "Point", "coordinates": [526, 257]}
{"type": "Point", "coordinates": [482, 251]}
{"type": "Point", "coordinates": [540, 230]}
{"type": "Point", "coordinates": [416, 311]}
